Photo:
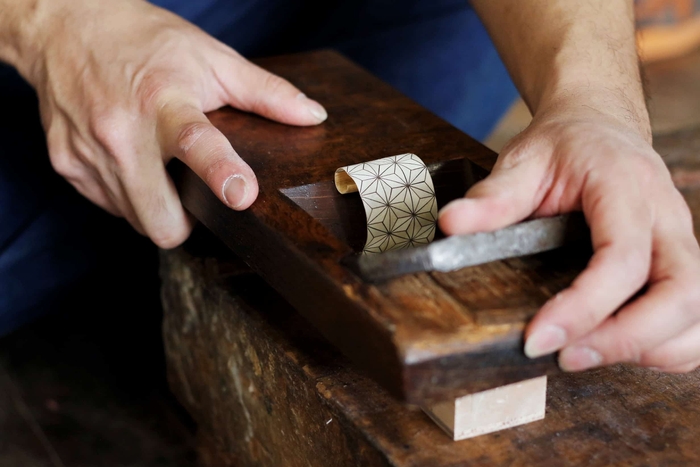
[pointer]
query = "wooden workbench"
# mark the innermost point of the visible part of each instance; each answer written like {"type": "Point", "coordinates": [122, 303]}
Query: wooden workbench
{"type": "Point", "coordinates": [266, 389]}
{"type": "Point", "coordinates": [267, 386]}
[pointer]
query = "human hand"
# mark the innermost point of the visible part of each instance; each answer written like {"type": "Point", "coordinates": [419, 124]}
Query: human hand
{"type": "Point", "coordinates": [573, 157]}
{"type": "Point", "coordinates": [123, 88]}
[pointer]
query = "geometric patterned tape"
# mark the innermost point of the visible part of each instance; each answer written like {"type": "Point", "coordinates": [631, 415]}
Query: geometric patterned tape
{"type": "Point", "coordinates": [399, 200]}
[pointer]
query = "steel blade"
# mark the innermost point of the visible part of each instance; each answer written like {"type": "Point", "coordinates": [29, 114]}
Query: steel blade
{"type": "Point", "coordinates": [459, 251]}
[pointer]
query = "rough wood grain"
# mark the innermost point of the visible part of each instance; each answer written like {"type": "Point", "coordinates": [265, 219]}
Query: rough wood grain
{"type": "Point", "coordinates": [266, 389]}
{"type": "Point", "coordinates": [426, 336]}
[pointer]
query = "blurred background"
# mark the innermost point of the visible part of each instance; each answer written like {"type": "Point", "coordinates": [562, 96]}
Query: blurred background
{"type": "Point", "coordinates": [668, 39]}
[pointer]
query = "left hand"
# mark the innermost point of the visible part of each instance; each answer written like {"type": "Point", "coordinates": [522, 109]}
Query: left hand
{"type": "Point", "coordinates": [573, 157]}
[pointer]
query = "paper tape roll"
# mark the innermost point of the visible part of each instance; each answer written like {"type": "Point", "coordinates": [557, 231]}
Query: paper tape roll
{"type": "Point", "coordinates": [399, 200]}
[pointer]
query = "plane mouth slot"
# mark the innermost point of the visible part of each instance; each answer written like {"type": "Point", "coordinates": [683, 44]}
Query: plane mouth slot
{"type": "Point", "coordinates": [344, 215]}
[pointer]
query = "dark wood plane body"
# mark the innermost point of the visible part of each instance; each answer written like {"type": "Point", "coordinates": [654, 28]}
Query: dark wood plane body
{"type": "Point", "coordinates": [426, 336]}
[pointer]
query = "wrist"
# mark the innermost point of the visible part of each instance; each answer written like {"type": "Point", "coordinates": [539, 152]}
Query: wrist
{"type": "Point", "coordinates": [621, 106]}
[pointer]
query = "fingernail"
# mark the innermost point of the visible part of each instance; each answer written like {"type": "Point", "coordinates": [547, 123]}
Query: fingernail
{"type": "Point", "coordinates": [235, 191]}
{"type": "Point", "coordinates": [579, 358]}
{"type": "Point", "coordinates": [314, 107]}
{"type": "Point", "coordinates": [544, 341]}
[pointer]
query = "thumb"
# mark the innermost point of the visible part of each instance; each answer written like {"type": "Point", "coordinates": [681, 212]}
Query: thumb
{"type": "Point", "coordinates": [252, 89]}
{"type": "Point", "coordinates": [506, 196]}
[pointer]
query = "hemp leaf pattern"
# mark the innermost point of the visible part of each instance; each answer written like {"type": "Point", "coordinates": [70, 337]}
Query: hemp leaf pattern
{"type": "Point", "coordinates": [399, 201]}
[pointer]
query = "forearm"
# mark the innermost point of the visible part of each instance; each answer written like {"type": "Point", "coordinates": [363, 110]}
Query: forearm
{"type": "Point", "coordinates": [558, 50]}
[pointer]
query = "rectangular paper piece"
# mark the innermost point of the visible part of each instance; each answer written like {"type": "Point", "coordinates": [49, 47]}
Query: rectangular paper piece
{"type": "Point", "coordinates": [492, 410]}
{"type": "Point", "coordinates": [399, 200]}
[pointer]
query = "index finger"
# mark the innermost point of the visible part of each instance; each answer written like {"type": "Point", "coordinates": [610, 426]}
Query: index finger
{"type": "Point", "coordinates": [186, 133]}
{"type": "Point", "coordinates": [621, 227]}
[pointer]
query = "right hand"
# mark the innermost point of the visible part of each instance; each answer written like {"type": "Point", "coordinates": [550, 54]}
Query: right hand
{"type": "Point", "coordinates": [124, 86]}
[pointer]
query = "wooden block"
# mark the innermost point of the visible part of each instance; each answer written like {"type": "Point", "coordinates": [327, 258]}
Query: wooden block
{"type": "Point", "coordinates": [493, 410]}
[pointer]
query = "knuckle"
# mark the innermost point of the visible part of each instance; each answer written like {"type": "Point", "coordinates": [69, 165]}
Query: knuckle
{"type": "Point", "coordinates": [170, 237]}
{"type": "Point", "coordinates": [189, 134]}
{"type": "Point", "coordinates": [111, 130]}
{"type": "Point", "coordinates": [636, 264]}
{"type": "Point", "coordinates": [627, 348]}
{"type": "Point", "coordinates": [273, 83]}
{"type": "Point", "coordinates": [588, 321]}
{"type": "Point", "coordinates": [165, 222]}
{"type": "Point", "coordinates": [152, 88]}
{"type": "Point", "coordinates": [65, 164]}
{"type": "Point", "coordinates": [202, 140]}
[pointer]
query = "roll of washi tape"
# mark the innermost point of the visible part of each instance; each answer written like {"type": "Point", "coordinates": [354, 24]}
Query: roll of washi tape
{"type": "Point", "coordinates": [399, 200]}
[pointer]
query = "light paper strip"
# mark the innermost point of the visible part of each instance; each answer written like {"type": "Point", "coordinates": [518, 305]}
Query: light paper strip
{"type": "Point", "coordinates": [399, 200]}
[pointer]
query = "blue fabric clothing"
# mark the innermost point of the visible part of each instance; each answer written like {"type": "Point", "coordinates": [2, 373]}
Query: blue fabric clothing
{"type": "Point", "coordinates": [40, 251]}
{"type": "Point", "coordinates": [436, 52]}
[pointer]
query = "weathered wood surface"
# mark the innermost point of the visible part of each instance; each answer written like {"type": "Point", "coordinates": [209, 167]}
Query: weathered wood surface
{"type": "Point", "coordinates": [266, 389]}
{"type": "Point", "coordinates": [424, 336]}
